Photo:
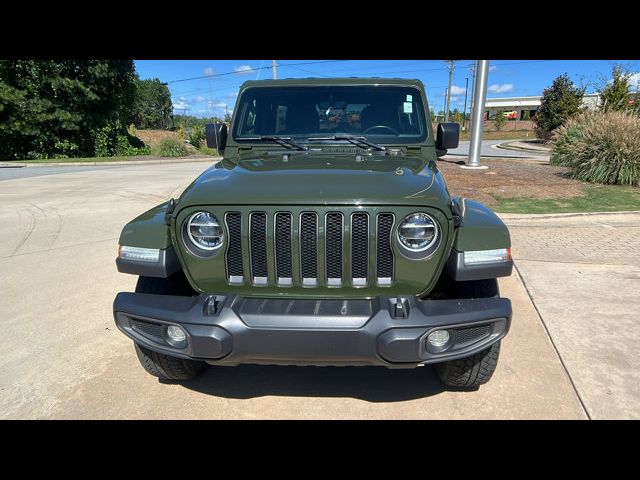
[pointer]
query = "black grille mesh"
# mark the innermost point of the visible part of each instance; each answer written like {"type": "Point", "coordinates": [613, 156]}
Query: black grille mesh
{"type": "Point", "coordinates": [234, 252]}
{"type": "Point", "coordinates": [471, 334]}
{"type": "Point", "coordinates": [384, 262]}
{"type": "Point", "coordinates": [359, 245]}
{"type": "Point", "coordinates": [334, 245]}
{"type": "Point", "coordinates": [309, 245]}
{"type": "Point", "coordinates": [258, 236]}
{"type": "Point", "coordinates": [149, 329]}
{"type": "Point", "coordinates": [283, 245]}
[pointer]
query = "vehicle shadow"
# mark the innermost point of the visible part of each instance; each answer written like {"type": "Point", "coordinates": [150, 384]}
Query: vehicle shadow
{"type": "Point", "coordinates": [373, 384]}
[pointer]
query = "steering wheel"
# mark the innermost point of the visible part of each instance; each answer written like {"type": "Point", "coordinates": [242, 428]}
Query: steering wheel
{"type": "Point", "coordinates": [395, 132]}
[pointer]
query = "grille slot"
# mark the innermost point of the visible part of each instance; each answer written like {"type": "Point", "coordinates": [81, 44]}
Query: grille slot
{"type": "Point", "coordinates": [334, 228]}
{"type": "Point", "coordinates": [359, 248]}
{"type": "Point", "coordinates": [283, 233]}
{"type": "Point", "coordinates": [384, 254]}
{"type": "Point", "coordinates": [309, 248]}
{"type": "Point", "coordinates": [234, 251]}
{"type": "Point", "coordinates": [258, 247]}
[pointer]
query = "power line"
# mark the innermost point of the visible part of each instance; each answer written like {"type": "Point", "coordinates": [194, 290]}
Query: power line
{"type": "Point", "coordinates": [251, 70]}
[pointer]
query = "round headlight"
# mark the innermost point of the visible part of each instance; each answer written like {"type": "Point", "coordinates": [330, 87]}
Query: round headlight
{"type": "Point", "coordinates": [417, 232]}
{"type": "Point", "coordinates": [204, 230]}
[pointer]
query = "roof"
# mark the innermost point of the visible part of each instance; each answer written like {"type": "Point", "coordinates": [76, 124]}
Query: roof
{"type": "Point", "coordinates": [332, 81]}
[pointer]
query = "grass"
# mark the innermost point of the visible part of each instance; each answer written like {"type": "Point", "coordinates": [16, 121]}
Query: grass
{"type": "Point", "coordinates": [504, 134]}
{"type": "Point", "coordinates": [597, 198]}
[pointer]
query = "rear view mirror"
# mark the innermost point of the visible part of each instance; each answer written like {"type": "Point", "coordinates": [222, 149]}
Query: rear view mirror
{"type": "Point", "coordinates": [216, 136]}
{"type": "Point", "coordinates": [448, 136]}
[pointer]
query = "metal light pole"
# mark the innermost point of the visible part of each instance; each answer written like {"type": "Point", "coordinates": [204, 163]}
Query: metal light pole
{"type": "Point", "coordinates": [274, 67]}
{"type": "Point", "coordinates": [477, 114]}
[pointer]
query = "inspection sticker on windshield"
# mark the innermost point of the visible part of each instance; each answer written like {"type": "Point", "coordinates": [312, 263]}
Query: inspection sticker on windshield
{"type": "Point", "coordinates": [408, 107]}
{"type": "Point", "coordinates": [409, 98]}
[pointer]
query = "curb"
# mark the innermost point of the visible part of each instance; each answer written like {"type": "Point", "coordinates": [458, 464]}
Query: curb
{"type": "Point", "coordinates": [508, 146]}
{"type": "Point", "coordinates": [531, 216]}
{"type": "Point", "coordinates": [120, 163]}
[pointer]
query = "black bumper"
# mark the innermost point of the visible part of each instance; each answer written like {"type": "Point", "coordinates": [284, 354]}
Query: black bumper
{"type": "Point", "coordinates": [230, 330]}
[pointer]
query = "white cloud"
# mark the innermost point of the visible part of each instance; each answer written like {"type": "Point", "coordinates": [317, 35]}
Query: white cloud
{"type": "Point", "coordinates": [634, 81]}
{"type": "Point", "coordinates": [454, 99]}
{"type": "Point", "coordinates": [208, 71]}
{"type": "Point", "coordinates": [199, 99]}
{"type": "Point", "coordinates": [492, 68]}
{"type": "Point", "coordinates": [497, 88]}
{"type": "Point", "coordinates": [231, 95]}
{"type": "Point", "coordinates": [243, 69]}
{"type": "Point", "coordinates": [456, 90]}
{"type": "Point", "coordinates": [180, 105]}
{"type": "Point", "coordinates": [217, 104]}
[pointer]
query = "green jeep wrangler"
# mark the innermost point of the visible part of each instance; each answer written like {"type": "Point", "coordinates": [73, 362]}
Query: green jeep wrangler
{"type": "Point", "coordinates": [325, 236]}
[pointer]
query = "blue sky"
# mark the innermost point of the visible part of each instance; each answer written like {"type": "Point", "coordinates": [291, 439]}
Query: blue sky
{"type": "Point", "coordinates": [217, 91]}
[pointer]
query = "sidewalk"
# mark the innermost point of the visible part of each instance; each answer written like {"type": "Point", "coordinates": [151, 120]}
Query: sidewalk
{"type": "Point", "coordinates": [582, 273]}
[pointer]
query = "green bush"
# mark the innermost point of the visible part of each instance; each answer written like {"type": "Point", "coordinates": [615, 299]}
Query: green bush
{"type": "Point", "coordinates": [172, 147]}
{"type": "Point", "coordinates": [499, 121]}
{"type": "Point", "coordinates": [600, 147]}
{"type": "Point", "coordinates": [209, 151]}
{"type": "Point", "coordinates": [561, 101]}
{"type": "Point", "coordinates": [197, 135]}
{"type": "Point", "coordinates": [129, 145]}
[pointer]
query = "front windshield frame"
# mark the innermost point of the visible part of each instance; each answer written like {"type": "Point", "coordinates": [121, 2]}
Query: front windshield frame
{"type": "Point", "coordinates": [417, 109]}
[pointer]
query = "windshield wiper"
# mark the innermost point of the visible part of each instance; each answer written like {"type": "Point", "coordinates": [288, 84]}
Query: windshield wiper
{"type": "Point", "coordinates": [283, 141]}
{"type": "Point", "coordinates": [350, 138]}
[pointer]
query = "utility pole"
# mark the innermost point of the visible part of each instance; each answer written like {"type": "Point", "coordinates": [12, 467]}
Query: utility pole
{"type": "Point", "coordinates": [466, 90]}
{"type": "Point", "coordinates": [446, 113]}
{"type": "Point", "coordinates": [274, 67]}
{"type": "Point", "coordinates": [477, 115]}
{"type": "Point", "coordinates": [472, 70]}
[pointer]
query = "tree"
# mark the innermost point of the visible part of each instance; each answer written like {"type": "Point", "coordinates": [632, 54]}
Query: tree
{"type": "Point", "coordinates": [499, 121]}
{"type": "Point", "coordinates": [560, 101]}
{"type": "Point", "coordinates": [614, 95]}
{"type": "Point", "coordinates": [152, 108]}
{"type": "Point", "coordinates": [54, 108]}
{"type": "Point", "coordinates": [526, 115]}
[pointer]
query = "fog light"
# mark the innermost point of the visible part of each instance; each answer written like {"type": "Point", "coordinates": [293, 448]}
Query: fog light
{"type": "Point", "coordinates": [176, 336]}
{"type": "Point", "coordinates": [438, 339]}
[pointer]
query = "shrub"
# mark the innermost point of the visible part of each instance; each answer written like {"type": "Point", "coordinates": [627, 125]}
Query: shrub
{"type": "Point", "coordinates": [129, 145]}
{"type": "Point", "coordinates": [560, 101]}
{"type": "Point", "coordinates": [197, 135]}
{"type": "Point", "coordinates": [172, 147]}
{"type": "Point", "coordinates": [600, 148]}
{"type": "Point", "coordinates": [209, 151]}
{"type": "Point", "coordinates": [181, 132]}
{"type": "Point", "coordinates": [499, 121]}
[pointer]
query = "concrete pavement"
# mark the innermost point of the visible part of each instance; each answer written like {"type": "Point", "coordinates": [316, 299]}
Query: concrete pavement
{"type": "Point", "coordinates": [64, 357]}
{"type": "Point", "coordinates": [583, 274]}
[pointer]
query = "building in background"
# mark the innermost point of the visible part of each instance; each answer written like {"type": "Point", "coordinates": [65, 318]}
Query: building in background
{"type": "Point", "coordinates": [528, 104]}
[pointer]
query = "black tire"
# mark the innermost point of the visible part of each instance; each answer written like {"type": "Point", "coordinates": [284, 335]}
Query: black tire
{"type": "Point", "coordinates": [157, 364]}
{"type": "Point", "coordinates": [470, 372]}
{"type": "Point", "coordinates": [167, 367]}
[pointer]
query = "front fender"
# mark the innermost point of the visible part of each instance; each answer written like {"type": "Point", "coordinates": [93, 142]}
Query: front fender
{"type": "Point", "coordinates": [149, 230]}
{"type": "Point", "coordinates": [480, 229]}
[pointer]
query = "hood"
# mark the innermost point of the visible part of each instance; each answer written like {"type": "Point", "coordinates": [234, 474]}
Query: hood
{"type": "Point", "coordinates": [319, 179]}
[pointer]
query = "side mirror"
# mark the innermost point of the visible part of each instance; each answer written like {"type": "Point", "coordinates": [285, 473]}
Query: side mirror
{"type": "Point", "coordinates": [216, 136]}
{"type": "Point", "coordinates": [448, 136]}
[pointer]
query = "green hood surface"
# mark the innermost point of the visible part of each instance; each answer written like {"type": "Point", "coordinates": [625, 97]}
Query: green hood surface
{"type": "Point", "coordinates": [319, 179]}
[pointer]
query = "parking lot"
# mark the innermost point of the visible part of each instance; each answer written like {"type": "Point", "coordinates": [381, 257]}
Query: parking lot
{"type": "Point", "coordinates": [571, 353]}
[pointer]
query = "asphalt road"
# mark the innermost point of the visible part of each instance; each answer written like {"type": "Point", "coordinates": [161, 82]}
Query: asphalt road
{"type": "Point", "coordinates": [489, 149]}
{"type": "Point", "coordinates": [63, 357]}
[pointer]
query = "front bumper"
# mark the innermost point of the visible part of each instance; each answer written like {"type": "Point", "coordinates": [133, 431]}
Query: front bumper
{"type": "Point", "coordinates": [231, 330]}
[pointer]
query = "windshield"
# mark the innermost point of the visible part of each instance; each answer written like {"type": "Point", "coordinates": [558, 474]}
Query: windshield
{"type": "Point", "coordinates": [384, 114]}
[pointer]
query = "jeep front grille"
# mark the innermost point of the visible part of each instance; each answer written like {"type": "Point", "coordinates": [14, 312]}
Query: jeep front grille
{"type": "Point", "coordinates": [310, 249]}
